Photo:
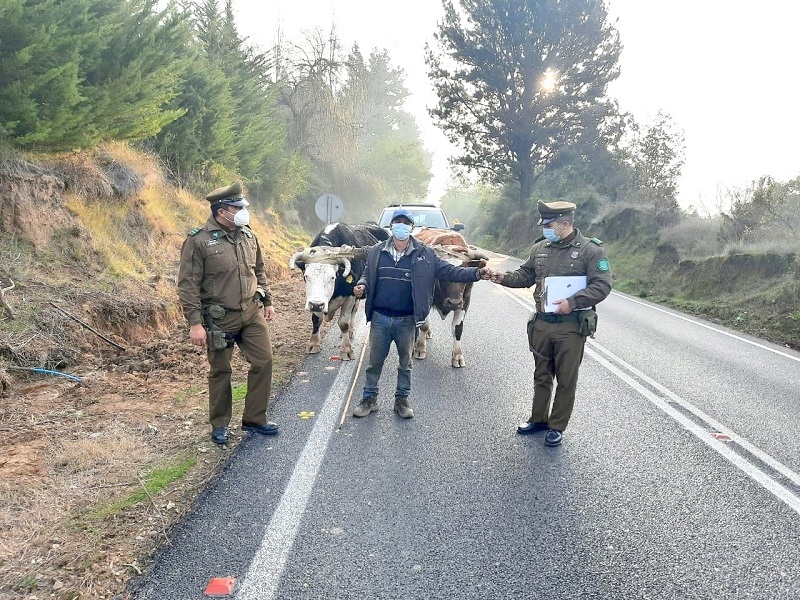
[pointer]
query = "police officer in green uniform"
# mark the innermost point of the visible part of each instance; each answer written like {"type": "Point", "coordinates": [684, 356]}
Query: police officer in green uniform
{"type": "Point", "coordinates": [223, 290]}
{"type": "Point", "coordinates": [557, 338]}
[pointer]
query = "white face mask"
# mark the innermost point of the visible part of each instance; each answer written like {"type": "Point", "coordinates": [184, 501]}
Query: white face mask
{"type": "Point", "coordinates": [241, 218]}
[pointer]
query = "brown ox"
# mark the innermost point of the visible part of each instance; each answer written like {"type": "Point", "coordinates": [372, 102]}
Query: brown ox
{"type": "Point", "coordinates": [449, 296]}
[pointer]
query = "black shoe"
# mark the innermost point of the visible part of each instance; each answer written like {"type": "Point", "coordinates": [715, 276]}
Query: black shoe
{"type": "Point", "coordinates": [529, 427]}
{"type": "Point", "coordinates": [220, 435]}
{"type": "Point", "coordinates": [553, 438]}
{"type": "Point", "coordinates": [268, 428]}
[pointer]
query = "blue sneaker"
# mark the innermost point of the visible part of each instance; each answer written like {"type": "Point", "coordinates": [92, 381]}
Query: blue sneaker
{"type": "Point", "coordinates": [220, 435]}
{"type": "Point", "coordinates": [553, 438]}
{"type": "Point", "coordinates": [268, 428]}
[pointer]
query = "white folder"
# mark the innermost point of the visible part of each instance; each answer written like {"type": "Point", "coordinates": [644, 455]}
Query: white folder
{"type": "Point", "coordinates": [559, 288]}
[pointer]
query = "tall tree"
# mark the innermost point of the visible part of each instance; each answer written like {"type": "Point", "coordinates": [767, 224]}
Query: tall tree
{"type": "Point", "coordinates": [519, 80]}
{"type": "Point", "coordinates": [76, 73]}
{"type": "Point", "coordinates": [657, 160]}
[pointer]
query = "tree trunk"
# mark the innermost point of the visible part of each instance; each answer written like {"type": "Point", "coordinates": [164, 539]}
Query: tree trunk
{"type": "Point", "coordinates": [525, 181]}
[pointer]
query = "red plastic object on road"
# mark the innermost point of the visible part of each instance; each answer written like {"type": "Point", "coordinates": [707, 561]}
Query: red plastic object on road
{"type": "Point", "coordinates": [220, 586]}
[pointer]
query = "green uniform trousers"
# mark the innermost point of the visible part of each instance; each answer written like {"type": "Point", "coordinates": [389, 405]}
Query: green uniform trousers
{"type": "Point", "coordinates": [558, 353]}
{"type": "Point", "coordinates": [252, 337]}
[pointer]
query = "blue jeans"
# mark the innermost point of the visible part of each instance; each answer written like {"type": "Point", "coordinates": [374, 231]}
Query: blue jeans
{"type": "Point", "coordinates": [385, 330]}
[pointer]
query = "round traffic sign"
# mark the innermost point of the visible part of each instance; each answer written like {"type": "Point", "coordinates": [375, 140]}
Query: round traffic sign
{"type": "Point", "coordinates": [329, 208]}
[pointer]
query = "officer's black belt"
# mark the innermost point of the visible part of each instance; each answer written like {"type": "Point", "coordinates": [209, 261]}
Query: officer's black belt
{"type": "Point", "coordinates": [227, 310]}
{"type": "Point", "coordinates": [553, 318]}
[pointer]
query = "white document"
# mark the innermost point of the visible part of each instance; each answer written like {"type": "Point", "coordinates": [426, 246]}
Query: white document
{"type": "Point", "coordinates": [559, 288]}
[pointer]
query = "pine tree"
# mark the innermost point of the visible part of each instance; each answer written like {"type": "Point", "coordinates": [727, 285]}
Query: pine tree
{"type": "Point", "coordinates": [79, 72]}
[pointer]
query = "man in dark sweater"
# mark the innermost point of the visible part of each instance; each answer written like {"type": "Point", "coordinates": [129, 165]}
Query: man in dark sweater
{"type": "Point", "coordinates": [398, 283]}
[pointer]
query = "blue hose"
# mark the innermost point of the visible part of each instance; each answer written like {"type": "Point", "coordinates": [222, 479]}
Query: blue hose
{"type": "Point", "coordinates": [48, 372]}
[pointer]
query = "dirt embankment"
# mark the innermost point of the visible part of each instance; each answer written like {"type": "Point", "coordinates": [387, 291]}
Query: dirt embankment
{"type": "Point", "coordinates": [93, 473]}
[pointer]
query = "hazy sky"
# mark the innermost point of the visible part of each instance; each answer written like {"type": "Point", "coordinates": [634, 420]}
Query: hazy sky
{"type": "Point", "coordinates": [724, 71]}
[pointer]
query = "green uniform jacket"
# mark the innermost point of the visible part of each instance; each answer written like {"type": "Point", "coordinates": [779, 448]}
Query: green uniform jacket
{"type": "Point", "coordinates": [220, 267]}
{"type": "Point", "coordinates": [577, 255]}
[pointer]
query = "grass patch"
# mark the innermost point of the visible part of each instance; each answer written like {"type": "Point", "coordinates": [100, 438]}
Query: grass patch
{"type": "Point", "coordinates": [151, 484]}
{"type": "Point", "coordinates": [239, 392]}
{"type": "Point", "coordinates": [26, 584]}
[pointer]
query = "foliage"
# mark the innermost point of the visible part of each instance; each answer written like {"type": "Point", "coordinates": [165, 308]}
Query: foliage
{"type": "Point", "coordinates": [347, 121]}
{"type": "Point", "coordinates": [656, 157]}
{"type": "Point", "coordinates": [694, 236]}
{"type": "Point", "coordinates": [468, 205]}
{"type": "Point", "coordinates": [520, 80]}
{"type": "Point", "coordinates": [77, 73]}
{"type": "Point", "coordinates": [762, 210]}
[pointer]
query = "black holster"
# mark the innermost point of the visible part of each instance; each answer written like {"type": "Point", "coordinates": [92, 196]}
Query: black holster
{"type": "Point", "coordinates": [531, 321]}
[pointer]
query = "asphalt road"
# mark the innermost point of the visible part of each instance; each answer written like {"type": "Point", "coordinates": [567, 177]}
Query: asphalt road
{"type": "Point", "coordinates": [679, 476]}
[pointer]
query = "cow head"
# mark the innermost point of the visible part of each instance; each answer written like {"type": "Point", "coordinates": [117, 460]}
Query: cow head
{"type": "Point", "coordinates": [320, 278]}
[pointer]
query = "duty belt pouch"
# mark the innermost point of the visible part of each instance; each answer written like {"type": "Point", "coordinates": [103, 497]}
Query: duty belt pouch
{"type": "Point", "coordinates": [587, 323]}
{"type": "Point", "coordinates": [531, 321]}
{"type": "Point", "coordinates": [217, 340]}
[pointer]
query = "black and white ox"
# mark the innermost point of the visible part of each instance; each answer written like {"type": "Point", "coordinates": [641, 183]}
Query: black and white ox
{"type": "Point", "coordinates": [449, 297]}
{"type": "Point", "coordinates": [329, 287]}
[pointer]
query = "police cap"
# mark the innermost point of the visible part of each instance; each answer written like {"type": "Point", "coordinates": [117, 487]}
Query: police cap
{"type": "Point", "coordinates": [550, 211]}
{"type": "Point", "coordinates": [232, 195]}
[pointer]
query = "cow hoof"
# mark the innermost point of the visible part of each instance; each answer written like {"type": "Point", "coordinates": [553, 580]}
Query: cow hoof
{"type": "Point", "coordinates": [313, 349]}
{"type": "Point", "coordinates": [346, 356]}
{"type": "Point", "coordinates": [429, 334]}
{"type": "Point", "coordinates": [459, 362]}
{"type": "Point", "coordinates": [420, 354]}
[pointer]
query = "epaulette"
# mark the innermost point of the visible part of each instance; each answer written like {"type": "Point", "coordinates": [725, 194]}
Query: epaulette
{"type": "Point", "coordinates": [596, 241]}
{"type": "Point", "coordinates": [195, 231]}
{"type": "Point", "coordinates": [541, 238]}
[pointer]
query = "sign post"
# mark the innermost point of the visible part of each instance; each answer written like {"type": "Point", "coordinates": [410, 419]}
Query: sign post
{"type": "Point", "coordinates": [329, 208]}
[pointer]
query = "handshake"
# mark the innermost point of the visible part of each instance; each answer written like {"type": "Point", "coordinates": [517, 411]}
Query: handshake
{"type": "Point", "coordinates": [492, 275]}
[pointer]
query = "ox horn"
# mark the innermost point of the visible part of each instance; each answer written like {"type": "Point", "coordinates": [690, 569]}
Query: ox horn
{"type": "Point", "coordinates": [346, 263]}
{"type": "Point", "coordinates": [297, 256]}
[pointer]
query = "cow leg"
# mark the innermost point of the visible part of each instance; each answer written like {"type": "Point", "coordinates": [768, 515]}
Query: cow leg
{"type": "Point", "coordinates": [458, 329]}
{"type": "Point", "coordinates": [314, 342]}
{"type": "Point", "coordinates": [420, 350]}
{"type": "Point", "coordinates": [346, 314]}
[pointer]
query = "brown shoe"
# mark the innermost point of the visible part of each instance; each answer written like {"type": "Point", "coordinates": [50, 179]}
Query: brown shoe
{"type": "Point", "coordinates": [366, 406]}
{"type": "Point", "coordinates": [402, 408]}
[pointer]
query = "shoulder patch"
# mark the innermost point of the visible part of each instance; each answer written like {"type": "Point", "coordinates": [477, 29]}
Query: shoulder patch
{"type": "Point", "coordinates": [195, 231]}
{"type": "Point", "coordinates": [596, 241]}
{"type": "Point", "coordinates": [603, 265]}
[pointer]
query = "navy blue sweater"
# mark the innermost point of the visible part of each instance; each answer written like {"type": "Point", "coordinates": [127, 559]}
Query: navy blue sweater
{"type": "Point", "coordinates": [393, 291]}
{"type": "Point", "coordinates": [426, 268]}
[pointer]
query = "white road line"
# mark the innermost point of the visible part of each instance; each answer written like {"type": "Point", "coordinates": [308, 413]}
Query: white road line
{"type": "Point", "coordinates": [702, 433]}
{"type": "Point", "coordinates": [699, 324]}
{"type": "Point", "coordinates": [263, 576]}
{"type": "Point", "coordinates": [753, 472]}
{"type": "Point", "coordinates": [706, 418]}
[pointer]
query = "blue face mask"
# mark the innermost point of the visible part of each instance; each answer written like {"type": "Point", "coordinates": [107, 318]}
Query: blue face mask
{"type": "Point", "coordinates": [401, 231]}
{"type": "Point", "coordinates": [550, 234]}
